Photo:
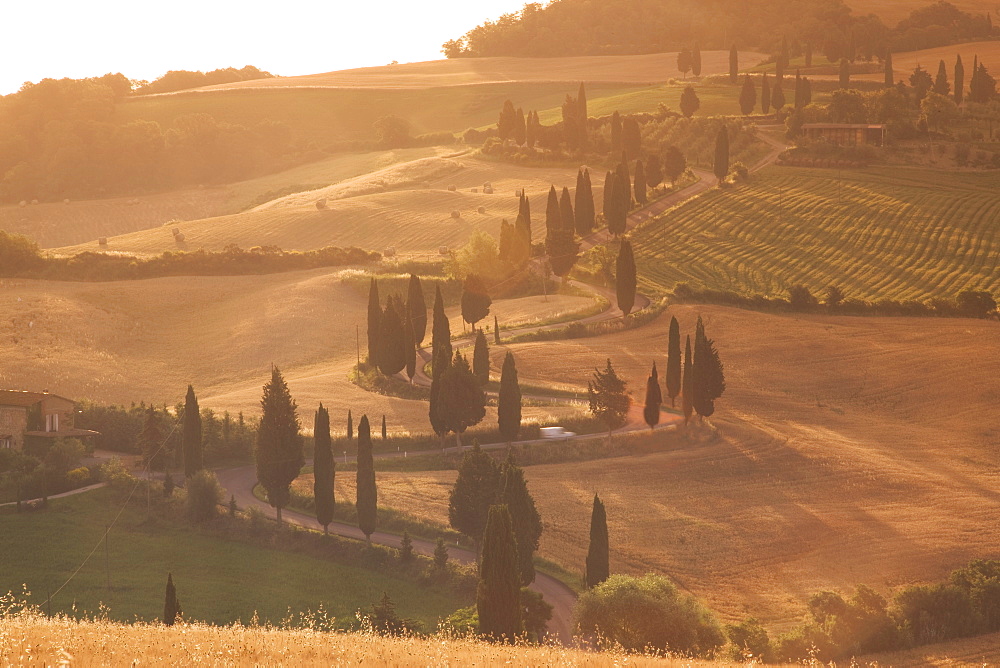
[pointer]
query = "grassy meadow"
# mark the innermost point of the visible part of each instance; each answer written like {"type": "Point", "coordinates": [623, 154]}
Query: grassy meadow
{"type": "Point", "coordinates": [884, 232]}
{"type": "Point", "coordinates": [211, 574]}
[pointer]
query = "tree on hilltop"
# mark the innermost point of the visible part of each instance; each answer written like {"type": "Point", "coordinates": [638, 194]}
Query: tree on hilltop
{"type": "Point", "coordinates": [279, 446]}
{"type": "Point", "coordinates": [585, 213]}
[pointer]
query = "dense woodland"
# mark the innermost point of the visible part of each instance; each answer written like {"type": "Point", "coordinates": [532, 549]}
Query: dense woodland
{"type": "Point", "coordinates": [583, 27]}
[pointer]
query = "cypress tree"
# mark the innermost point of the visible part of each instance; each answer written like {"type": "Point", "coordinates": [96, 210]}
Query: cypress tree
{"type": "Point", "coordinates": [887, 69]}
{"type": "Point", "coordinates": [709, 380]}
{"type": "Point", "coordinates": [385, 434]}
{"type": "Point", "coordinates": [461, 399]}
{"type": "Point", "coordinates": [566, 211]}
{"type": "Point", "coordinates": [801, 93]}
{"type": "Point", "coordinates": [279, 446]}
{"type": "Point", "coordinates": [171, 607]}
{"type": "Point", "coordinates": [684, 61]}
{"type": "Point", "coordinates": [324, 469]}
{"type": "Point", "coordinates": [507, 121]}
{"type": "Point", "coordinates": [782, 58]}
{"type": "Point", "coordinates": [553, 214]}
{"type": "Point", "coordinates": [845, 73]}
{"type": "Point", "coordinates": [476, 300]}
{"type": "Point", "coordinates": [598, 554]}
{"type": "Point", "coordinates": [520, 128]}
{"type": "Point", "coordinates": [626, 180]}
{"type": "Point", "coordinates": [687, 393]}
{"type": "Point", "coordinates": [522, 232]}
{"type": "Point", "coordinates": [631, 139]}
{"type": "Point", "coordinates": [777, 96]}
{"type": "Point", "coordinates": [498, 597]}
{"type": "Point", "coordinates": [581, 101]}
{"type": "Point", "coordinates": [350, 426]}
{"type": "Point", "coordinates": [523, 515]}
{"type": "Point", "coordinates": [374, 322]}
{"type": "Point", "coordinates": [696, 60]}
{"type": "Point", "coordinates": [748, 96]}
{"type": "Point", "coordinates": [941, 85]}
{"type": "Point", "coordinates": [959, 80]}
{"type": "Point", "coordinates": [608, 397]}
{"type": "Point", "coordinates": [606, 196]}
{"type": "Point", "coordinates": [765, 95]}
{"type": "Point", "coordinates": [191, 435]}
{"type": "Point", "coordinates": [672, 379]}
{"type": "Point", "coordinates": [651, 409]}
{"type": "Point", "coordinates": [476, 488]}
{"type": "Point", "coordinates": [152, 441]}
{"type": "Point", "coordinates": [721, 165]}
{"type": "Point", "coordinates": [481, 359]}
{"type": "Point", "coordinates": [640, 184]}
{"type": "Point", "coordinates": [530, 131]}
{"type": "Point", "coordinates": [367, 499]}
{"type": "Point", "coordinates": [689, 102]}
{"type": "Point", "coordinates": [440, 360]}
{"type": "Point", "coordinates": [509, 400]}
{"type": "Point", "coordinates": [391, 339]}
{"type": "Point", "coordinates": [974, 80]}
{"type": "Point", "coordinates": [654, 174]}
{"type": "Point", "coordinates": [496, 331]}
{"type": "Point", "coordinates": [584, 204]}
{"type": "Point", "coordinates": [625, 278]}
{"type": "Point", "coordinates": [410, 346]}
{"type": "Point", "coordinates": [417, 308]}
{"type": "Point", "coordinates": [616, 134]}
{"type": "Point", "coordinates": [734, 64]}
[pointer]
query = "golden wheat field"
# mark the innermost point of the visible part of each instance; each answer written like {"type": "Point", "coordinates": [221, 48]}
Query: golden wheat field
{"type": "Point", "coordinates": [849, 450]}
{"type": "Point", "coordinates": [407, 206]}
{"type": "Point", "coordinates": [903, 64]}
{"type": "Point", "coordinates": [146, 340]}
{"type": "Point", "coordinates": [638, 69]}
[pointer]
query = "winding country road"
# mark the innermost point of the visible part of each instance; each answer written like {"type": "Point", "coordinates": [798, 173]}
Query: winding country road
{"type": "Point", "coordinates": [240, 481]}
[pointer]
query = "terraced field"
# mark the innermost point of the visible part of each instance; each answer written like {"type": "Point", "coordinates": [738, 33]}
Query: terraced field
{"type": "Point", "coordinates": [877, 233]}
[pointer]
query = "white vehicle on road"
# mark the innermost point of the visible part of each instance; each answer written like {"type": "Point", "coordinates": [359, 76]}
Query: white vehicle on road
{"type": "Point", "coordinates": [555, 432]}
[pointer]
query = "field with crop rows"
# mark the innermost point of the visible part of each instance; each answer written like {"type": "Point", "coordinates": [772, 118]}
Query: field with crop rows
{"type": "Point", "coordinates": [877, 233]}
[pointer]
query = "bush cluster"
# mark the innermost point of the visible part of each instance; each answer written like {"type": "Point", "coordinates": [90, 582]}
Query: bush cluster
{"type": "Point", "coordinates": [44, 468]}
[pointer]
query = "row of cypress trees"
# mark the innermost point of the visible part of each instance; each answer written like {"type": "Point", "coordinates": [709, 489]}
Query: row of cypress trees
{"type": "Point", "coordinates": [773, 96]}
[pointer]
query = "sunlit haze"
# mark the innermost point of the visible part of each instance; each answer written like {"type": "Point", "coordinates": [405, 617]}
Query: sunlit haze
{"type": "Point", "coordinates": [57, 38]}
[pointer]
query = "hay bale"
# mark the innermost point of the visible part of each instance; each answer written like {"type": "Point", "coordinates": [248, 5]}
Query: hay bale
{"type": "Point", "coordinates": [488, 191]}
{"type": "Point", "coordinates": [452, 187]}
{"type": "Point", "coordinates": [34, 202]}
{"type": "Point", "coordinates": [481, 209]}
{"type": "Point", "coordinates": [443, 250]}
{"type": "Point", "coordinates": [103, 241]}
{"type": "Point", "coordinates": [179, 238]}
{"type": "Point", "coordinates": [321, 204]}
{"type": "Point", "coordinates": [456, 215]}
{"type": "Point", "coordinates": [487, 185]}
{"type": "Point", "coordinates": [66, 201]}
{"type": "Point", "coordinates": [175, 231]}
{"type": "Point", "coordinates": [518, 192]}
{"type": "Point", "coordinates": [389, 252]}
{"type": "Point", "coordinates": [475, 190]}
{"type": "Point", "coordinates": [23, 203]}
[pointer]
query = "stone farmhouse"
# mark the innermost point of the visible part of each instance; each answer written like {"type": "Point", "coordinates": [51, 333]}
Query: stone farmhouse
{"type": "Point", "coordinates": [36, 415]}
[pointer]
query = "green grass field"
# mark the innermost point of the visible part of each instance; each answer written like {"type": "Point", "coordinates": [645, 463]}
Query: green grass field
{"type": "Point", "coordinates": [212, 575]}
{"type": "Point", "coordinates": [884, 232]}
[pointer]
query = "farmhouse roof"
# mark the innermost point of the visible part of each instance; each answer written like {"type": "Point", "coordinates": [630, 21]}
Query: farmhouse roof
{"type": "Point", "coordinates": [836, 126]}
{"type": "Point", "coordinates": [23, 398]}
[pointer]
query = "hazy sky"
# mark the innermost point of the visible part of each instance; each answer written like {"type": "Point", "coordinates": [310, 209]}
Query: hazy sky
{"type": "Point", "coordinates": [142, 40]}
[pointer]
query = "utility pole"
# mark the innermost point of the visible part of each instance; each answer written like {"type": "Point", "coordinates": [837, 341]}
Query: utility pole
{"type": "Point", "coordinates": [357, 342]}
{"type": "Point", "coordinates": [107, 556]}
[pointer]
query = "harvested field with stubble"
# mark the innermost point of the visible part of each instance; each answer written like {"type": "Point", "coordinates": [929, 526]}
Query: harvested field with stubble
{"type": "Point", "coordinates": [878, 233]}
{"type": "Point", "coordinates": [848, 450]}
{"type": "Point", "coordinates": [406, 205]}
{"type": "Point", "coordinates": [903, 64]}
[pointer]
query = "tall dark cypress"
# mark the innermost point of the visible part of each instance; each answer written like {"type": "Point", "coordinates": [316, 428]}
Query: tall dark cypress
{"type": "Point", "coordinates": [887, 67]}
{"type": "Point", "coordinates": [687, 391]}
{"type": "Point", "coordinates": [959, 80]}
{"type": "Point", "coordinates": [367, 500]}
{"type": "Point", "coordinates": [651, 409]}
{"type": "Point", "coordinates": [777, 96]}
{"type": "Point", "coordinates": [625, 179]}
{"type": "Point", "coordinates": [410, 346]}
{"type": "Point", "coordinates": [801, 92]}
{"type": "Point", "coordinates": [672, 379]}
{"type": "Point", "coordinates": [191, 435]}
{"type": "Point", "coordinates": [625, 277]}
{"type": "Point", "coordinates": [765, 95]}
{"type": "Point", "coordinates": [581, 101]}
{"type": "Point", "coordinates": [721, 165]}
{"type": "Point", "coordinates": [845, 73]}
{"type": "Point", "coordinates": [748, 96]}
{"type": "Point", "coordinates": [481, 359]}
{"type": "Point", "coordinates": [734, 64]}
{"type": "Point", "coordinates": [440, 361]}
{"type": "Point", "coordinates": [520, 128]}
{"type": "Point", "coordinates": [809, 54]}
{"type": "Point", "coordinates": [616, 134]}
{"type": "Point", "coordinates": [509, 400]}
{"type": "Point", "coordinates": [941, 85]}
{"type": "Point", "coordinates": [324, 468]}
{"type": "Point", "coordinates": [374, 322]}
{"type": "Point", "coordinates": [498, 597]}
{"type": "Point", "coordinates": [709, 381]}
{"type": "Point", "coordinates": [618, 205]}
{"type": "Point", "coordinates": [417, 308]}
{"type": "Point", "coordinates": [566, 211]}
{"type": "Point", "coordinates": [496, 330]}
{"type": "Point", "coordinates": [585, 213]}
{"type": "Point", "coordinates": [598, 554]}
{"type": "Point", "coordinates": [606, 195]}
{"type": "Point", "coordinates": [350, 426]}
{"type": "Point", "coordinates": [523, 515]}
{"type": "Point", "coordinates": [640, 184]}
{"type": "Point", "coordinates": [171, 607]}
{"type": "Point", "coordinates": [696, 60]}
{"type": "Point", "coordinates": [553, 214]}
{"type": "Point", "coordinates": [385, 434]}
{"type": "Point", "coordinates": [392, 339]}
{"type": "Point", "coordinates": [279, 446]}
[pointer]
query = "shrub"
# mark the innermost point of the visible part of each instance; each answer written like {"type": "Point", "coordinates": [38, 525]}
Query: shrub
{"type": "Point", "coordinates": [976, 303]}
{"type": "Point", "coordinates": [647, 612]}
{"type": "Point", "coordinates": [800, 298]}
{"type": "Point", "coordinates": [204, 494]}
{"type": "Point", "coordinates": [930, 614]}
{"type": "Point", "coordinates": [749, 641]}
{"type": "Point", "coordinates": [116, 474]}
{"type": "Point", "coordinates": [78, 477]}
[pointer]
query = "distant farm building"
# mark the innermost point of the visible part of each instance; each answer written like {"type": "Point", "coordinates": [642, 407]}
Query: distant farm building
{"type": "Point", "coordinates": [846, 134]}
{"type": "Point", "coordinates": [36, 415]}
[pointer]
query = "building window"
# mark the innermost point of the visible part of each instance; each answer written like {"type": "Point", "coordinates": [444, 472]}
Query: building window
{"type": "Point", "coordinates": [52, 422]}
{"type": "Point", "coordinates": [5, 444]}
